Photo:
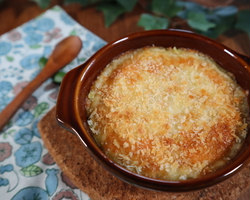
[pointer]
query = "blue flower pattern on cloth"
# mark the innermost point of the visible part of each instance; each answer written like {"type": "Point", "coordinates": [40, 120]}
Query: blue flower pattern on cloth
{"type": "Point", "coordinates": [47, 51]}
{"type": "Point", "coordinates": [5, 88]}
{"type": "Point", "coordinates": [31, 193]}
{"type": "Point", "coordinates": [4, 181]}
{"type": "Point", "coordinates": [4, 100]}
{"type": "Point", "coordinates": [26, 171]}
{"type": "Point", "coordinates": [35, 129]}
{"type": "Point", "coordinates": [6, 168]}
{"type": "Point", "coordinates": [41, 24]}
{"type": "Point", "coordinates": [5, 48]}
{"type": "Point", "coordinates": [28, 154]}
{"type": "Point", "coordinates": [23, 136]}
{"type": "Point", "coordinates": [45, 24]}
{"type": "Point", "coordinates": [33, 38]}
{"type": "Point", "coordinates": [24, 118]}
{"type": "Point", "coordinates": [66, 19]}
{"type": "Point", "coordinates": [34, 74]}
{"type": "Point", "coordinates": [30, 61]}
{"type": "Point", "coordinates": [51, 181]}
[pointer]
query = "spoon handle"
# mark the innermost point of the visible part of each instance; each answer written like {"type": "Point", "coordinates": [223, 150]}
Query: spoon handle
{"type": "Point", "coordinates": [11, 108]}
{"type": "Point", "coordinates": [64, 53]}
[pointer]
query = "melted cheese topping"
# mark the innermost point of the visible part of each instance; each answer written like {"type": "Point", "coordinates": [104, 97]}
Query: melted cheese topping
{"type": "Point", "coordinates": [167, 113]}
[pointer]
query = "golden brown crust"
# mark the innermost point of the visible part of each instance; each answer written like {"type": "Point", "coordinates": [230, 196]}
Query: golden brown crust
{"type": "Point", "coordinates": [166, 113]}
{"type": "Point", "coordinates": [74, 160]}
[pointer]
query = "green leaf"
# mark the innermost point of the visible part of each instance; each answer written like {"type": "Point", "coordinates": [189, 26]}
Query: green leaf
{"type": "Point", "coordinates": [59, 77]}
{"type": "Point", "coordinates": [222, 26]}
{"type": "Point", "coordinates": [211, 16]}
{"type": "Point", "coordinates": [56, 8]}
{"type": "Point", "coordinates": [226, 11]}
{"type": "Point", "coordinates": [82, 2]}
{"type": "Point", "coordinates": [73, 32]}
{"type": "Point", "coordinates": [182, 14]}
{"type": "Point", "coordinates": [9, 58]}
{"type": "Point", "coordinates": [173, 11]}
{"type": "Point", "coordinates": [128, 5]}
{"type": "Point", "coordinates": [41, 108]}
{"type": "Point", "coordinates": [42, 3]}
{"type": "Point", "coordinates": [111, 12]}
{"type": "Point", "coordinates": [8, 132]}
{"type": "Point", "coordinates": [243, 22]}
{"type": "Point", "coordinates": [35, 46]}
{"type": "Point", "coordinates": [31, 170]}
{"type": "Point", "coordinates": [167, 8]}
{"type": "Point", "coordinates": [80, 60]}
{"type": "Point", "coordinates": [198, 21]}
{"type": "Point", "coordinates": [160, 7]}
{"type": "Point", "coordinates": [150, 22]}
{"type": "Point", "coordinates": [42, 62]}
{"type": "Point", "coordinates": [191, 6]}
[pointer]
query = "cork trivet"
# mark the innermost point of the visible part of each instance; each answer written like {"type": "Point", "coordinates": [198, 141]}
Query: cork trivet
{"type": "Point", "coordinates": [73, 159]}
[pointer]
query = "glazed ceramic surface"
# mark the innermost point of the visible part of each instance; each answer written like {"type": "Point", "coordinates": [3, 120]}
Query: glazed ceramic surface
{"type": "Point", "coordinates": [71, 112]}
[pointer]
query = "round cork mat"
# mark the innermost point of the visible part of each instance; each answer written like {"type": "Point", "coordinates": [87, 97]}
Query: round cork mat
{"type": "Point", "coordinates": [73, 159]}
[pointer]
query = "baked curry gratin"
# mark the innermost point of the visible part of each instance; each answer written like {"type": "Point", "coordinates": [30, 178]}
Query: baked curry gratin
{"type": "Point", "coordinates": [167, 113]}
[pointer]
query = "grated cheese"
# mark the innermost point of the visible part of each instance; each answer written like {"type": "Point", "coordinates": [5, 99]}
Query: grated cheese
{"type": "Point", "coordinates": [167, 113]}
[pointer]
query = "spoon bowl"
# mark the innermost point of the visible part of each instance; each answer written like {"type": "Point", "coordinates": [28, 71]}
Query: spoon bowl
{"type": "Point", "coordinates": [64, 53]}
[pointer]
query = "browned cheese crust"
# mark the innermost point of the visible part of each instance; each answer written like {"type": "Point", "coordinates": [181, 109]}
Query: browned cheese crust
{"type": "Point", "coordinates": [167, 113]}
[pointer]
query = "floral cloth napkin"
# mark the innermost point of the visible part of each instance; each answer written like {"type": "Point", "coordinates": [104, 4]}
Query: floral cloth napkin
{"type": "Point", "coordinates": [27, 171]}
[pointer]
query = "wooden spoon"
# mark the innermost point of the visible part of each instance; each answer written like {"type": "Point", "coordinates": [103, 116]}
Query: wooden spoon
{"type": "Point", "coordinates": [64, 53]}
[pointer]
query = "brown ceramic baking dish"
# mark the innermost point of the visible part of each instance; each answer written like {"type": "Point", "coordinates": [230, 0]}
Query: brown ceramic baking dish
{"type": "Point", "coordinates": [71, 113]}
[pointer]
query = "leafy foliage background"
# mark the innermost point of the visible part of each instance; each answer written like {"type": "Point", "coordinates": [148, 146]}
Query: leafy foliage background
{"type": "Point", "coordinates": [161, 14]}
